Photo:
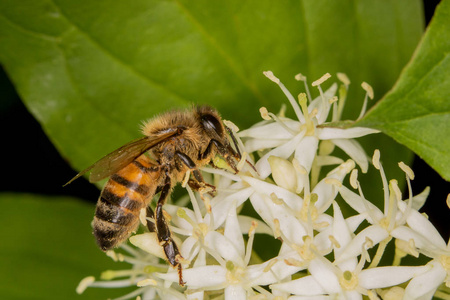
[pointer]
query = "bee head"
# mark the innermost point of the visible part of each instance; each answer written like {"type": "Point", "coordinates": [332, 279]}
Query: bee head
{"type": "Point", "coordinates": [211, 121]}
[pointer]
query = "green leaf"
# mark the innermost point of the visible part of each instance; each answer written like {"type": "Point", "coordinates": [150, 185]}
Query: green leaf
{"type": "Point", "coordinates": [48, 248]}
{"type": "Point", "coordinates": [91, 71]}
{"type": "Point", "coordinates": [416, 112]}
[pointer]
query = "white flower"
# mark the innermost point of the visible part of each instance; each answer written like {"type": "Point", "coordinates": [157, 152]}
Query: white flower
{"type": "Point", "coordinates": [430, 243]}
{"type": "Point", "coordinates": [232, 273]}
{"type": "Point", "coordinates": [320, 254]}
{"type": "Point", "coordinates": [345, 279]}
{"type": "Point", "coordinates": [301, 137]}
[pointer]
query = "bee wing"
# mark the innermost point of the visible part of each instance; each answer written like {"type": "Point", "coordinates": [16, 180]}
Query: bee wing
{"type": "Point", "coordinates": [121, 157]}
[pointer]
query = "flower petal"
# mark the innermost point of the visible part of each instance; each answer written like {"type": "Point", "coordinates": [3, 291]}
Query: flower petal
{"type": "Point", "coordinates": [324, 273]}
{"type": "Point", "coordinates": [283, 151]}
{"type": "Point", "coordinates": [375, 233]}
{"type": "Point", "coordinates": [355, 151]}
{"type": "Point", "coordinates": [306, 286]}
{"type": "Point", "coordinates": [426, 283]}
{"type": "Point", "coordinates": [211, 277]}
{"type": "Point", "coordinates": [329, 133]}
{"type": "Point", "coordinates": [233, 231]}
{"type": "Point", "coordinates": [235, 291]}
{"type": "Point", "coordinates": [306, 151]}
{"type": "Point", "coordinates": [382, 277]}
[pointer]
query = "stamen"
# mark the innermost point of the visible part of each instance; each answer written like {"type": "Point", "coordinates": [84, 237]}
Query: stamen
{"type": "Point", "coordinates": [394, 196]}
{"type": "Point", "coordinates": [251, 238]}
{"type": "Point", "coordinates": [242, 162]}
{"type": "Point", "coordinates": [84, 284]}
{"type": "Point", "coordinates": [276, 230]}
{"type": "Point", "coordinates": [308, 122]}
{"type": "Point", "coordinates": [291, 99]}
{"type": "Point", "coordinates": [376, 159]}
{"type": "Point", "coordinates": [448, 201]}
{"type": "Point", "coordinates": [334, 241]}
{"type": "Point", "coordinates": [231, 125]}
{"type": "Point", "coordinates": [333, 181]}
{"type": "Point", "coordinates": [354, 178]}
{"type": "Point", "coordinates": [321, 80]}
{"type": "Point", "coordinates": [197, 211]}
{"type": "Point", "coordinates": [186, 178]}
{"type": "Point", "coordinates": [369, 94]}
{"type": "Point", "coordinates": [182, 214]}
{"type": "Point", "coordinates": [409, 172]}
{"type": "Point", "coordinates": [343, 89]}
{"type": "Point", "coordinates": [270, 265]}
{"type": "Point", "coordinates": [264, 113]}
{"type": "Point", "coordinates": [368, 89]}
{"type": "Point", "coordinates": [300, 77]}
{"type": "Point", "coordinates": [377, 165]}
{"type": "Point", "coordinates": [275, 199]}
{"type": "Point", "coordinates": [343, 78]}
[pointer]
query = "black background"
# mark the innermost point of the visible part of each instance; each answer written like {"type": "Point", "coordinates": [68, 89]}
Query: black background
{"type": "Point", "coordinates": [31, 164]}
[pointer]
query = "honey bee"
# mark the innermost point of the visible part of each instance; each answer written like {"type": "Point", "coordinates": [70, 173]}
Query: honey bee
{"type": "Point", "coordinates": [173, 144]}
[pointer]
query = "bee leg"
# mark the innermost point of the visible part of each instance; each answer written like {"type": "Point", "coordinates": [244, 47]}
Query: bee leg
{"type": "Point", "coordinates": [164, 235]}
{"type": "Point", "coordinates": [199, 183]}
{"type": "Point", "coordinates": [226, 152]}
{"type": "Point", "coordinates": [150, 225]}
{"type": "Point", "coordinates": [237, 153]}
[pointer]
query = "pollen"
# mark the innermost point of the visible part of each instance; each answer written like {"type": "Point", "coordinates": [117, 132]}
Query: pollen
{"type": "Point", "coordinates": [146, 282]}
{"type": "Point", "coordinates": [343, 78]}
{"type": "Point", "coordinates": [409, 172]}
{"type": "Point", "coordinates": [300, 77]}
{"type": "Point", "coordinates": [376, 159]}
{"type": "Point", "coordinates": [264, 113]}
{"type": "Point", "coordinates": [368, 88]}
{"type": "Point", "coordinates": [321, 80]}
{"type": "Point", "coordinates": [84, 284]}
{"type": "Point", "coordinates": [269, 74]}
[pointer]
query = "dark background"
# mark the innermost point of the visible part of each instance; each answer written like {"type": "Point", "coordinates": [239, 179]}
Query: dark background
{"type": "Point", "coordinates": [31, 163]}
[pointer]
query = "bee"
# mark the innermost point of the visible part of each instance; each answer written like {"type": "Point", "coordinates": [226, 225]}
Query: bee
{"type": "Point", "coordinates": [173, 144]}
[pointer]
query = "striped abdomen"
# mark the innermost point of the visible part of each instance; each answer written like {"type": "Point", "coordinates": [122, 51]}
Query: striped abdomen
{"type": "Point", "coordinates": [121, 200]}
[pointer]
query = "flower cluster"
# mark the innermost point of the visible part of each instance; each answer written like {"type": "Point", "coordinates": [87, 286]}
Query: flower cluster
{"type": "Point", "coordinates": [319, 253]}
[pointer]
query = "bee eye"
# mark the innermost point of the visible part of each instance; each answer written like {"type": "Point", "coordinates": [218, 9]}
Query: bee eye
{"type": "Point", "coordinates": [211, 123]}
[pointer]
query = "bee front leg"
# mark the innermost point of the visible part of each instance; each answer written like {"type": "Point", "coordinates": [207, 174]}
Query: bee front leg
{"type": "Point", "coordinates": [198, 183]}
{"type": "Point", "coordinates": [164, 235]}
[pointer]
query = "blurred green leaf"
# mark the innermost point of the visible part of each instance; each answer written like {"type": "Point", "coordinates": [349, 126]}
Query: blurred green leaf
{"type": "Point", "coordinates": [91, 71]}
{"type": "Point", "coordinates": [416, 112]}
{"type": "Point", "coordinates": [48, 248]}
